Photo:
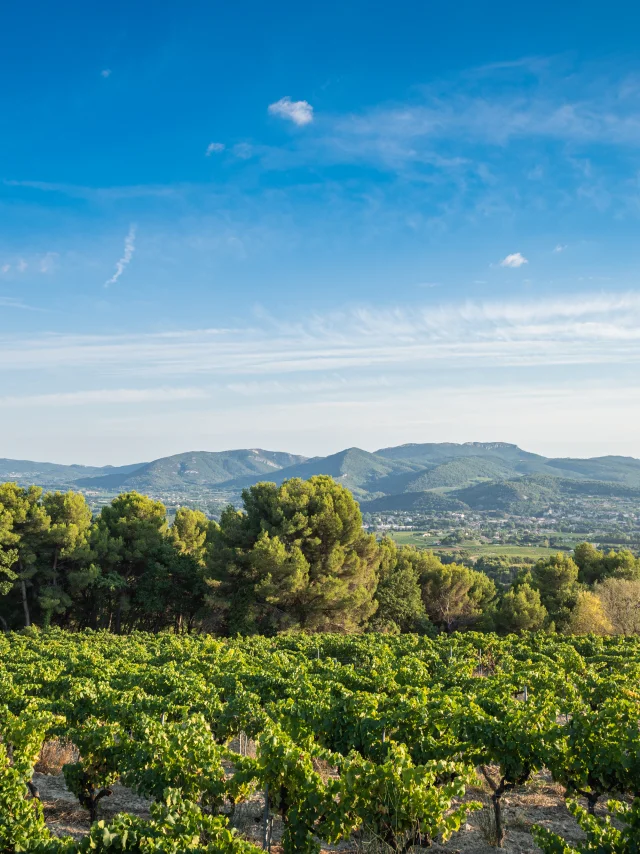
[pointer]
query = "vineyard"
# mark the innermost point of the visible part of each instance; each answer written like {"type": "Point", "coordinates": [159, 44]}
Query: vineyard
{"type": "Point", "coordinates": [357, 739]}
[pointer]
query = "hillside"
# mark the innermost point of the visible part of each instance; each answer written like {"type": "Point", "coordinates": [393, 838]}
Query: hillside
{"type": "Point", "coordinates": [461, 472]}
{"type": "Point", "coordinates": [617, 469]}
{"type": "Point", "coordinates": [432, 453]}
{"type": "Point", "coordinates": [201, 469]}
{"type": "Point", "coordinates": [423, 502]}
{"type": "Point", "coordinates": [55, 474]}
{"type": "Point", "coordinates": [491, 476]}
{"type": "Point", "coordinates": [358, 470]}
{"type": "Point", "coordinates": [532, 494]}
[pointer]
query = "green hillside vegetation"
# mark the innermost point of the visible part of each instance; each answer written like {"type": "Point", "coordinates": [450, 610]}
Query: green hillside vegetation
{"type": "Point", "coordinates": [425, 502]}
{"type": "Point", "coordinates": [530, 494]}
{"type": "Point", "coordinates": [461, 472]}
{"type": "Point", "coordinates": [197, 468]}
{"type": "Point", "coordinates": [485, 476]}
{"type": "Point", "coordinates": [358, 470]}
{"type": "Point", "coordinates": [27, 471]}
{"type": "Point", "coordinates": [435, 453]}
{"type": "Point", "coordinates": [618, 469]}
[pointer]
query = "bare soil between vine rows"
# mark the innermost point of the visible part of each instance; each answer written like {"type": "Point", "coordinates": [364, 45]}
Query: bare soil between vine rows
{"type": "Point", "coordinates": [540, 802]}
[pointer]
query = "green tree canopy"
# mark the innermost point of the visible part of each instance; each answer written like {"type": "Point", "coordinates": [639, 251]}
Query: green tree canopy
{"type": "Point", "coordinates": [130, 541]}
{"type": "Point", "coordinates": [190, 532]}
{"type": "Point", "coordinates": [399, 595]}
{"type": "Point", "coordinates": [26, 528]}
{"type": "Point", "coordinates": [297, 557]}
{"type": "Point", "coordinates": [66, 550]}
{"type": "Point", "coordinates": [521, 610]}
{"type": "Point", "coordinates": [596, 566]}
{"type": "Point", "coordinates": [455, 596]}
{"type": "Point", "coordinates": [556, 580]}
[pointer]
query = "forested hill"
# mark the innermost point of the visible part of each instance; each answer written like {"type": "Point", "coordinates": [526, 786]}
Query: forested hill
{"type": "Point", "coordinates": [195, 469]}
{"type": "Point", "coordinates": [480, 475]}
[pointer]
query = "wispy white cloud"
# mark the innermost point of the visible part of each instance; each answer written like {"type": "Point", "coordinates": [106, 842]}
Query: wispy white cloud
{"type": "Point", "coordinates": [560, 247]}
{"type": "Point", "coordinates": [298, 112]}
{"type": "Point", "coordinates": [42, 263]}
{"type": "Point", "coordinates": [515, 260]}
{"type": "Point", "coordinates": [101, 194]}
{"type": "Point", "coordinates": [243, 150]}
{"type": "Point", "coordinates": [106, 72]}
{"type": "Point", "coordinates": [47, 262]}
{"type": "Point", "coordinates": [586, 329]}
{"type": "Point", "coordinates": [214, 148]}
{"type": "Point", "coordinates": [11, 302]}
{"type": "Point", "coordinates": [104, 397]}
{"type": "Point", "coordinates": [123, 263]}
{"type": "Point", "coordinates": [448, 371]}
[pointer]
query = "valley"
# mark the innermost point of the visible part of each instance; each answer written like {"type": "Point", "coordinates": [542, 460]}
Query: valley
{"type": "Point", "coordinates": [491, 495]}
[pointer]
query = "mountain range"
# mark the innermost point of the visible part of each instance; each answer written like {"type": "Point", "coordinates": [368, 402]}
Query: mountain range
{"type": "Point", "coordinates": [429, 477]}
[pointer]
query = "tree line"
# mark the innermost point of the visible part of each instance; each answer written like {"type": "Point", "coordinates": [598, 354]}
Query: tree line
{"type": "Point", "coordinates": [295, 558]}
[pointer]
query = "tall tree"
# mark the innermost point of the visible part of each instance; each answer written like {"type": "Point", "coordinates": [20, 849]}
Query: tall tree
{"type": "Point", "coordinates": [455, 596]}
{"type": "Point", "coordinates": [66, 549]}
{"type": "Point", "coordinates": [190, 533]}
{"type": "Point", "coordinates": [29, 527]}
{"type": "Point", "coordinates": [130, 540]}
{"type": "Point", "coordinates": [595, 566]}
{"type": "Point", "coordinates": [297, 557]}
{"type": "Point", "coordinates": [556, 580]}
{"type": "Point", "coordinates": [521, 610]}
{"type": "Point", "coordinates": [399, 596]}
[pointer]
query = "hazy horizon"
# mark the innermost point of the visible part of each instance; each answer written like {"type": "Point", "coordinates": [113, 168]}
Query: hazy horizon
{"type": "Point", "coordinates": [99, 463]}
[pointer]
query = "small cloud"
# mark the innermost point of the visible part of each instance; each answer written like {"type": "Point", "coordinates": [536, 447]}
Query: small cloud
{"type": "Point", "coordinates": [47, 262]}
{"type": "Point", "coordinates": [479, 282]}
{"type": "Point", "coordinates": [214, 148]}
{"type": "Point", "coordinates": [106, 72]}
{"type": "Point", "coordinates": [5, 268]}
{"type": "Point", "coordinates": [560, 247]}
{"type": "Point", "coordinates": [243, 150]}
{"type": "Point", "coordinates": [428, 284]}
{"type": "Point", "coordinates": [129, 249]}
{"type": "Point", "coordinates": [22, 265]}
{"type": "Point", "coordinates": [298, 112]}
{"type": "Point", "coordinates": [515, 260]}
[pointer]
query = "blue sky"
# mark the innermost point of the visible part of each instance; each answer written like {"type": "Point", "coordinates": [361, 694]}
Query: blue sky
{"type": "Point", "coordinates": [305, 228]}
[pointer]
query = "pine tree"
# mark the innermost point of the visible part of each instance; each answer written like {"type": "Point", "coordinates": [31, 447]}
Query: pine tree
{"type": "Point", "coordinates": [295, 558]}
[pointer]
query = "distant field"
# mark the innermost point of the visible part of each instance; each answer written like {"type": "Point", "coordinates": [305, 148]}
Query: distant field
{"type": "Point", "coordinates": [415, 538]}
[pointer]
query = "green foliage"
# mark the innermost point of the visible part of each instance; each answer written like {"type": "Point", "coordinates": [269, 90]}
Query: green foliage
{"type": "Point", "coordinates": [455, 596]}
{"type": "Point", "coordinates": [296, 558]}
{"type": "Point", "coordinates": [556, 580]}
{"type": "Point", "coordinates": [520, 610]}
{"type": "Point", "coordinates": [190, 533]}
{"type": "Point", "coordinates": [596, 566]}
{"type": "Point", "coordinates": [369, 734]}
{"type": "Point", "coordinates": [177, 826]}
{"type": "Point", "coordinates": [26, 527]}
{"type": "Point", "coordinates": [602, 837]}
{"type": "Point", "coordinates": [398, 802]}
{"type": "Point", "coordinates": [399, 595]}
{"type": "Point", "coordinates": [21, 818]}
